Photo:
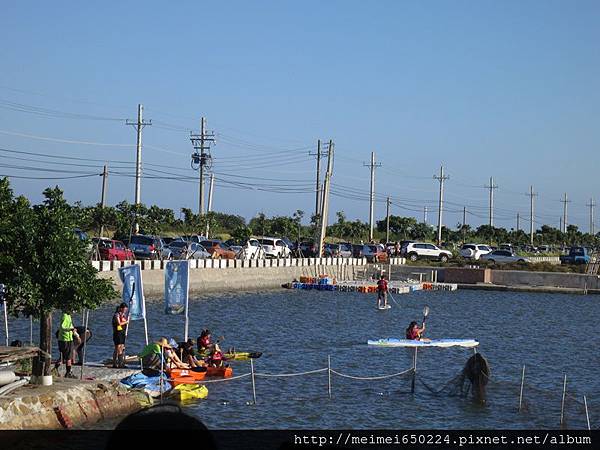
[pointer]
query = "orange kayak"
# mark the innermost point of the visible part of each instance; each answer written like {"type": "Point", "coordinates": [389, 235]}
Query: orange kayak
{"type": "Point", "coordinates": [224, 372]}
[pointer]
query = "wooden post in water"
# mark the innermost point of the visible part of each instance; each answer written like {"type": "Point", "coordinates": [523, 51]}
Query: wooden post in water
{"type": "Point", "coordinates": [253, 381]}
{"type": "Point", "coordinates": [412, 386]}
{"type": "Point", "coordinates": [587, 416]}
{"type": "Point", "coordinates": [522, 384]}
{"type": "Point", "coordinates": [562, 406]}
{"type": "Point", "coordinates": [329, 377]}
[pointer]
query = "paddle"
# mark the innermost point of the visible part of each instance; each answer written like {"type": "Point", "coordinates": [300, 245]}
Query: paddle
{"type": "Point", "coordinates": [425, 313]}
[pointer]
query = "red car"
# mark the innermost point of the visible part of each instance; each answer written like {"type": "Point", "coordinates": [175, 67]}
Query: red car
{"type": "Point", "coordinates": [111, 250]}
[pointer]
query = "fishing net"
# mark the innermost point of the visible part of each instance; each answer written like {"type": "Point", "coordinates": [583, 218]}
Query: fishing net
{"type": "Point", "coordinates": [472, 379]}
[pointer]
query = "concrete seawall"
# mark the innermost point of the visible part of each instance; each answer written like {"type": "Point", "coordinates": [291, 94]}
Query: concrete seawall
{"type": "Point", "coordinates": [518, 279]}
{"type": "Point", "coordinates": [239, 279]}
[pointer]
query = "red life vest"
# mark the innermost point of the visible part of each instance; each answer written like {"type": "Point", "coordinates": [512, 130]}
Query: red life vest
{"type": "Point", "coordinates": [382, 285]}
{"type": "Point", "coordinates": [412, 334]}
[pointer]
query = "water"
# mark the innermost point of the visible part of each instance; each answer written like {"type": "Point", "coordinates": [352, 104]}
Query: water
{"type": "Point", "coordinates": [297, 330]}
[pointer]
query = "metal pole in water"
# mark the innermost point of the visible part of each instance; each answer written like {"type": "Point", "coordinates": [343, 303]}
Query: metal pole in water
{"type": "Point", "coordinates": [253, 382]}
{"type": "Point", "coordinates": [5, 321]}
{"type": "Point", "coordinates": [85, 330]}
{"type": "Point", "coordinates": [587, 416]}
{"type": "Point", "coordinates": [412, 387]}
{"type": "Point", "coordinates": [329, 376]}
{"type": "Point", "coordinates": [562, 407]}
{"type": "Point", "coordinates": [522, 384]}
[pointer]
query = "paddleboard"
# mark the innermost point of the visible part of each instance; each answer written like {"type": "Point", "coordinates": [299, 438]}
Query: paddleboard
{"type": "Point", "coordinates": [391, 342]}
{"type": "Point", "coordinates": [381, 308]}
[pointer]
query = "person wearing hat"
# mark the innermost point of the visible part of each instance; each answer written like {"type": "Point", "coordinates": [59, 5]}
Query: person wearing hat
{"type": "Point", "coordinates": [188, 355]}
{"type": "Point", "coordinates": [119, 326]}
{"type": "Point", "coordinates": [151, 357]}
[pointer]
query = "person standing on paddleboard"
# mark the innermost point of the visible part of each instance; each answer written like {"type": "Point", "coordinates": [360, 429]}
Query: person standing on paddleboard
{"type": "Point", "coordinates": [119, 325]}
{"type": "Point", "coordinates": [382, 290]}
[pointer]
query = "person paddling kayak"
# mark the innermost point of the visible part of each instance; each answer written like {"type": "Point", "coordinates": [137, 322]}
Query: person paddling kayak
{"type": "Point", "coordinates": [203, 342]}
{"type": "Point", "coordinates": [415, 333]}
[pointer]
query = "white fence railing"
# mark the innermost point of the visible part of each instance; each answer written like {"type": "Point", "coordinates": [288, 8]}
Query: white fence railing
{"type": "Point", "coordinates": [106, 266]}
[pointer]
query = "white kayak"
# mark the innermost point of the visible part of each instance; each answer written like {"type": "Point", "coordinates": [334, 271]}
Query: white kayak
{"type": "Point", "coordinates": [391, 342]}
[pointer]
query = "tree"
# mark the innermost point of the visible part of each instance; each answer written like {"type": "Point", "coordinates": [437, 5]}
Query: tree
{"type": "Point", "coordinates": [45, 265]}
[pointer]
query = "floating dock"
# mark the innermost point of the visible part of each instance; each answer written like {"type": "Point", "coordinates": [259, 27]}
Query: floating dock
{"type": "Point", "coordinates": [326, 283]}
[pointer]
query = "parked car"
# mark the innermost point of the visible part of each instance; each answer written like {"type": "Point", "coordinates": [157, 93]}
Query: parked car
{"type": "Point", "coordinates": [358, 250]}
{"type": "Point", "coordinates": [338, 250]}
{"type": "Point", "coordinates": [218, 249]}
{"type": "Point", "coordinates": [544, 248]}
{"type": "Point", "coordinates": [187, 250]}
{"type": "Point", "coordinates": [474, 251]}
{"type": "Point", "coordinates": [251, 249]}
{"type": "Point", "coordinates": [508, 247]}
{"type": "Point", "coordinates": [193, 238]}
{"type": "Point", "coordinates": [274, 248]}
{"type": "Point", "coordinates": [375, 253]}
{"type": "Point", "coordinates": [167, 240]}
{"type": "Point", "coordinates": [503, 257]}
{"type": "Point", "coordinates": [112, 250]}
{"type": "Point", "coordinates": [148, 247]}
{"type": "Point", "coordinates": [308, 249]}
{"type": "Point", "coordinates": [291, 245]}
{"type": "Point", "coordinates": [403, 245]}
{"type": "Point", "coordinates": [576, 255]}
{"type": "Point", "coordinates": [424, 250]}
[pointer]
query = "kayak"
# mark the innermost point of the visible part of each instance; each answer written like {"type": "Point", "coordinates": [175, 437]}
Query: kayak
{"type": "Point", "coordinates": [224, 372]}
{"type": "Point", "coordinates": [391, 342]}
{"type": "Point", "coordinates": [189, 392]}
{"type": "Point", "coordinates": [196, 375]}
{"type": "Point", "coordinates": [242, 356]}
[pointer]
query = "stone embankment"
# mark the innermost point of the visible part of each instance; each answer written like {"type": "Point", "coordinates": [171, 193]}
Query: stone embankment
{"type": "Point", "coordinates": [67, 403]}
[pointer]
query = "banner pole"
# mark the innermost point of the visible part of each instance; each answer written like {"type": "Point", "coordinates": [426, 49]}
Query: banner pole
{"type": "Point", "coordinates": [187, 295]}
{"type": "Point", "coordinates": [85, 332]}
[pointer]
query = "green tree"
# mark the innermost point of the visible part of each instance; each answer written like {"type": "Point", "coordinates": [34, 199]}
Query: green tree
{"type": "Point", "coordinates": [44, 264]}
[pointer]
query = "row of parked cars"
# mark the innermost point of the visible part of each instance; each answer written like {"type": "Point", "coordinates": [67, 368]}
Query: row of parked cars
{"type": "Point", "coordinates": [188, 247]}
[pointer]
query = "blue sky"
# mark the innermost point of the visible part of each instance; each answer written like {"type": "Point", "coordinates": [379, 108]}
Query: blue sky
{"type": "Point", "coordinates": [505, 89]}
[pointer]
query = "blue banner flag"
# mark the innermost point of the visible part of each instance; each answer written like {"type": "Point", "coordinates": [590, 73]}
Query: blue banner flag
{"type": "Point", "coordinates": [177, 286]}
{"type": "Point", "coordinates": [133, 291]}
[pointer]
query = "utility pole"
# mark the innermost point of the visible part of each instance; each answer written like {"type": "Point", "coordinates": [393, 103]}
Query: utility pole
{"type": "Point", "coordinates": [564, 221]}
{"type": "Point", "coordinates": [518, 222]}
{"type": "Point", "coordinates": [441, 179]}
{"type": "Point", "coordinates": [210, 197]}
{"type": "Point", "coordinates": [139, 125]}
{"type": "Point", "coordinates": [491, 187]}
{"type": "Point", "coordinates": [531, 224]}
{"type": "Point", "coordinates": [318, 187]}
{"type": "Point", "coordinates": [425, 215]}
{"type": "Point", "coordinates": [464, 222]}
{"type": "Point", "coordinates": [103, 196]}
{"type": "Point", "coordinates": [325, 204]}
{"type": "Point", "coordinates": [372, 166]}
{"type": "Point", "coordinates": [591, 204]}
{"type": "Point", "coordinates": [201, 159]}
{"type": "Point", "coordinates": [387, 221]}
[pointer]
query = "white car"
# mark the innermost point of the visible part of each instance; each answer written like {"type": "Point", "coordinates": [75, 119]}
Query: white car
{"type": "Point", "coordinates": [504, 256]}
{"type": "Point", "coordinates": [250, 250]}
{"type": "Point", "coordinates": [474, 251]}
{"type": "Point", "coordinates": [424, 250]}
{"type": "Point", "coordinates": [274, 248]}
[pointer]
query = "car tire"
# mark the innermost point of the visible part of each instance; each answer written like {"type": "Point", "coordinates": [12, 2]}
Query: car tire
{"type": "Point", "coordinates": [413, 257]}
{"type": "Point", "coordinates": [444, 258]}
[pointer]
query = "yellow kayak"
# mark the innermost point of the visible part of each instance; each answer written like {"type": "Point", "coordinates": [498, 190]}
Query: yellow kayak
{"type": "Point", "coordinates": [189, 391]}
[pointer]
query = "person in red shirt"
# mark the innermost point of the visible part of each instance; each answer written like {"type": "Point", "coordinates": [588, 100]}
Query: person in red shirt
{"type": "Point", "coordinates": [382, 290]}
{"type": "Point", "coordinates": [414, 333]}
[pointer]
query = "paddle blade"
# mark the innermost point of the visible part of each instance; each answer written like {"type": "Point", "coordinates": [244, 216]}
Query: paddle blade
{"type": "Point", "coordinates": [426, 311]}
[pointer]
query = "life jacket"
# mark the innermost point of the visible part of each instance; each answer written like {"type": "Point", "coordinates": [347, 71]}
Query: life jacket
{"type": "Point", "coordinates": [204, 342]}
{"type": "Point", "coordinates": [382, 285]}
{"type": "Point", "coordinates": [412, 334]}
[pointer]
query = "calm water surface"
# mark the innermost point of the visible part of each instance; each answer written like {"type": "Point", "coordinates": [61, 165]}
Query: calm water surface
{"type": "Point", "coordinates": [297, 330]}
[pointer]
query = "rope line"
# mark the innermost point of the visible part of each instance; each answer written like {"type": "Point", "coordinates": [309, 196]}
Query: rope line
{"type": "Point", "coordinates": [225, 379]}
{"type": "Point", "coordinates": [382, 377]}
{"type": "Point", "coordinates": [274, 375]}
